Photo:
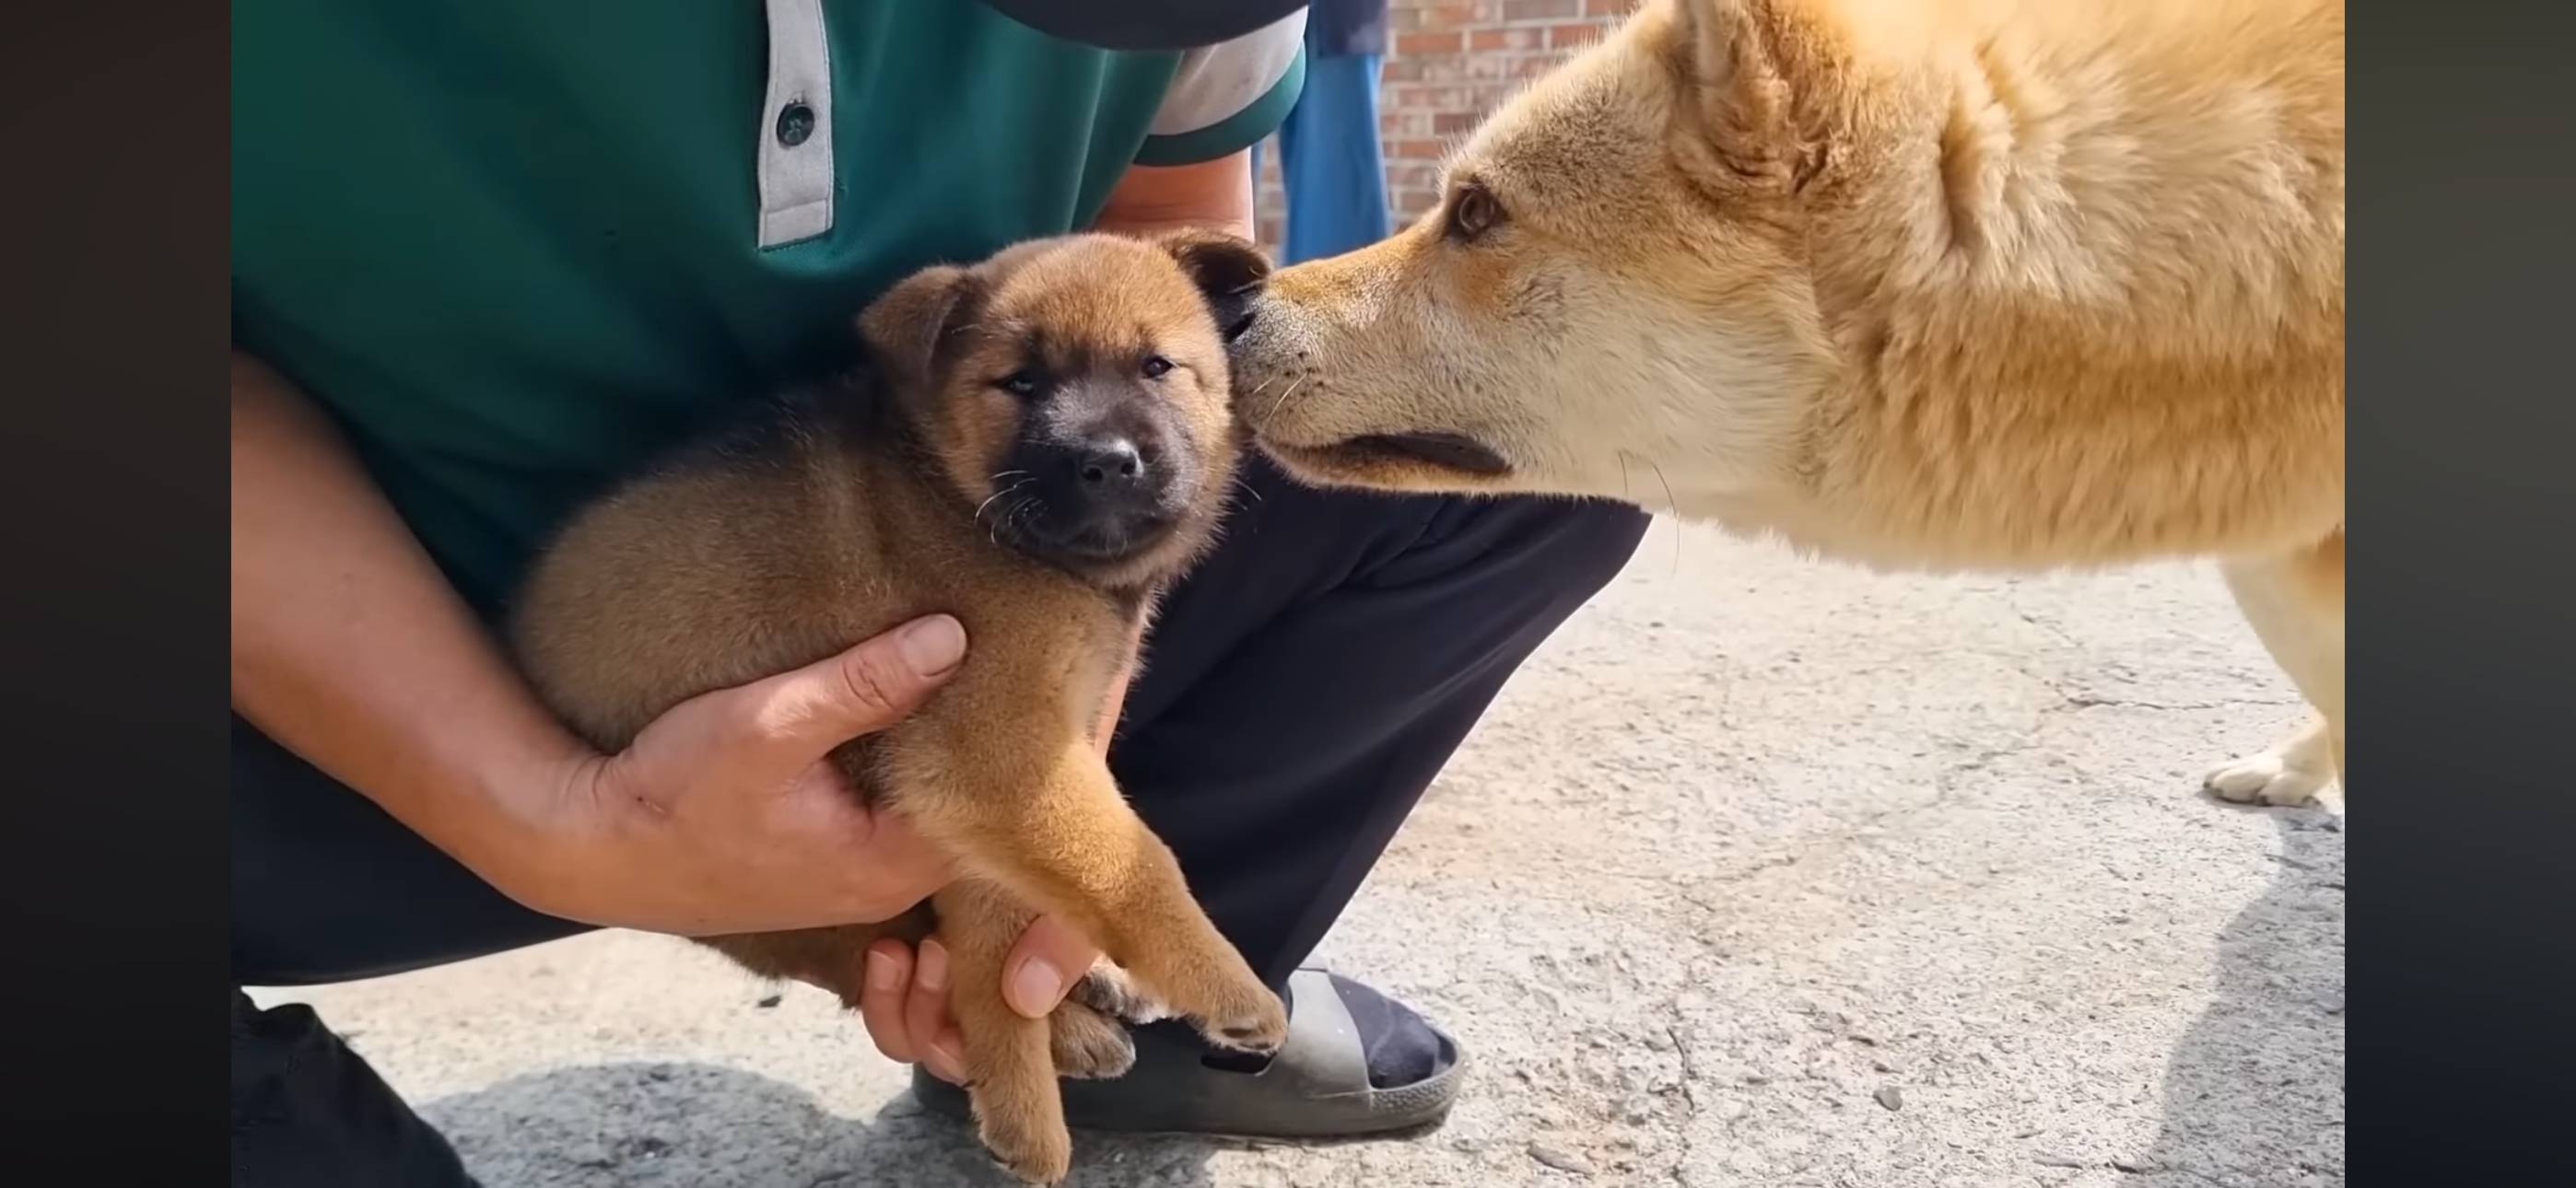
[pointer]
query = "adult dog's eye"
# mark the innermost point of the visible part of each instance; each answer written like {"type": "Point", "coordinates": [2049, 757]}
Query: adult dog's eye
{"type": "Point", "coordinates": [1472, 212]}
{"type": "Point", "coordinates": [1023, 382]}
{"type": "Point", "coordinates": [1156, 365]}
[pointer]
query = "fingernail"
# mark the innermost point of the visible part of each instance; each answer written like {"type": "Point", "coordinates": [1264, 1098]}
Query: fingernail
{"type": "Point", "coordinates": [947, 1061]}
{"type": "Point", "coordinates": [1036, 987]}
{"type": "Point", "coordinates": [882, 975]}
{"type": "Point", "coordinates": [930, 969]}
{"type": "Point", "coordinates": [933, 646]}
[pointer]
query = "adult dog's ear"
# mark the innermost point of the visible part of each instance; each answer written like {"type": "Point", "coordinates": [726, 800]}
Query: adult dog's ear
{"type": "Point", "coordinates": [1762, 85]}
{"type": "Point", "coordinates": [908, 328]}
{"type": "Point", "coordinates": [1228, 270]}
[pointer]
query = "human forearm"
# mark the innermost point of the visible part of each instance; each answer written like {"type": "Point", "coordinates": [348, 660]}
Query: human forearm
{"type": "Point", "coordinates": [351, 649]}
{"type": "Point", "coordinates": [1214, 194]}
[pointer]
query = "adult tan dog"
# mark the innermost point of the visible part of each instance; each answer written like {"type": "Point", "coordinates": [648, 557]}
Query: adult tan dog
{"type": "Point", "coordinates": [1932, 284]}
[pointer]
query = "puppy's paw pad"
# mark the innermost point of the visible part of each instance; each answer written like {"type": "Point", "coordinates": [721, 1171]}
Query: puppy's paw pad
{"type": "Point", "coordinates": [1108, 990]}
{"type": "Point", "coordinates": [1088, 1045]}
{"type": "Point", "coordinates": [2266, 778]}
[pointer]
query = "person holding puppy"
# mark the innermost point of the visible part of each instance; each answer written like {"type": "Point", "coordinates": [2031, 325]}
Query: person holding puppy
{"type": "Point", "coordinates": [489, 257]}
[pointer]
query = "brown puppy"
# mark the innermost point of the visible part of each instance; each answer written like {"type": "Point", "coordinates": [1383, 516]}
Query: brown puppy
{"type": "Point", "coordinates": [1941, 284]}
{"type": "Point", "coordinates": [1043, 441]}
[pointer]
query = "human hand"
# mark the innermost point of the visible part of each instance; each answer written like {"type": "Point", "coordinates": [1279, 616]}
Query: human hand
{"type": "Point", "coordinates": [725, 816]}
{"type": "Point", "coordinates": [904, 999]}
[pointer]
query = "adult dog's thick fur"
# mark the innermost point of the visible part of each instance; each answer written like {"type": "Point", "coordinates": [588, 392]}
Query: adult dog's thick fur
{"type": "Point", "coordinates": [1042, 442]}
{"type": "Point", "coordinates": [1992, 284]}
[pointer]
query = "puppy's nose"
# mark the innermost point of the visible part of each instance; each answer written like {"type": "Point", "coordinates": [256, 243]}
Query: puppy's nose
{"type": "Point", "coordinates": [1108, 464]}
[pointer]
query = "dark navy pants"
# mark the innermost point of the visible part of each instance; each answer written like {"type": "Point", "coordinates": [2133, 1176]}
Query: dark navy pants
{"type": "Point", "coordinates": [1301, 689]}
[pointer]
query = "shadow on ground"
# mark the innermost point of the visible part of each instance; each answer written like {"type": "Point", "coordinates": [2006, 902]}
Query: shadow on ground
{"type": "Point", "coordinates": [2254, 1091]}
{"type": "Point", "coordinates": [702, 1126]}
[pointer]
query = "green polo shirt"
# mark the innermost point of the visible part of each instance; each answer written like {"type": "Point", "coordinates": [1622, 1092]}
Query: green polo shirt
{"type": "Point", "coordinates": [517, 246]}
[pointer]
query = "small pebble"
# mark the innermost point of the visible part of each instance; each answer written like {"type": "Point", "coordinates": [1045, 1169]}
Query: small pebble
{"type": "Point", "coordinates": [769, 1002]}
{"type": "Point", "coordinates": [1560, 1159]}
{"type": "Point", "coordinates": [1891, 1097]}
{"type": "Point", "coordinates": [2061, 1161]}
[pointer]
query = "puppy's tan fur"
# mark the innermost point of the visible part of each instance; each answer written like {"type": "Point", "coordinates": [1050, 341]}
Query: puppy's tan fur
{"type": "Point", "coordinates": [867, 504]}
{"type": "Point", "coordinates": [1993, 284]}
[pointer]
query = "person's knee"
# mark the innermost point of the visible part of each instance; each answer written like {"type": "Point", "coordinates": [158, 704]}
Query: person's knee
{"type": "Point", "coordinates": [1565, 547]}
{"type": "Point", "coordinates": [1586, 542]}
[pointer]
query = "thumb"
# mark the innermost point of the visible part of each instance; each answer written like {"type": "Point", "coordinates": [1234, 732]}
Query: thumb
{"type": "Point", "coordinates": [1043, 967]}
{"type": "Point", "coordinates": [807, 712]}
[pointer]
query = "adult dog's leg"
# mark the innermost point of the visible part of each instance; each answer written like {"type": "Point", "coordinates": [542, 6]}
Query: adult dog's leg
{"type": "Point", "coordinates": [2296, 605]}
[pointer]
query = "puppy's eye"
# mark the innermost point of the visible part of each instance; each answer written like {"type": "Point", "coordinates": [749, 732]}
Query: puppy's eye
{"type": "Point", "coordinates": [1023, 382]}
{"type": "Point", "coordinates": [1472, 212]}
{"type": "Point", "coordinates": [1156, 365]}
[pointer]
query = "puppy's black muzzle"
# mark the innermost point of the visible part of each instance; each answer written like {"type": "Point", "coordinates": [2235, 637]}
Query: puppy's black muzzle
{"type": "Point", "coordinates": [1097, 496]}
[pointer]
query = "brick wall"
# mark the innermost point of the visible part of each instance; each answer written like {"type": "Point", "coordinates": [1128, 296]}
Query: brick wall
{"type": "Point", "coordinates": [1451, 62]}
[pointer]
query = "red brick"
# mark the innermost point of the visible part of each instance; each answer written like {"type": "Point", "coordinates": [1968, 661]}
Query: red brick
{"type": "Point", "coordinates": [1402, 70]}
{"type": "Point", "coordinates": [1610, 8]}
{"type": "Point", "coordinates": [1458, 16]}
{"type": "Point", "coordinates": [1417, 150]}
{"type": "Point", "coordinates": [1446, 68]}
{"type": "Point", "coordinates": [1397, 125]}
{"type": "Point", "coordinates": [1413, 176]}
{"type": "Point", "coordinates": [1413, 44]}
{"type": "Point", "coordinates": [1450, 122]}
{"type": "Point", "coordinates": [1507, 39]}
{"type": "Point", "coordinates": [1534, 10]}
{"type": "Point", "coordinates": [1428, 98]}
{"type": "Point", "coordinates": [1573, 36]}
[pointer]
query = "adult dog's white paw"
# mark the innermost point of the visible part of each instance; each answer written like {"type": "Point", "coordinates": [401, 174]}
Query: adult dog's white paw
{"type": "Point", "coordinates": [2271, 777]}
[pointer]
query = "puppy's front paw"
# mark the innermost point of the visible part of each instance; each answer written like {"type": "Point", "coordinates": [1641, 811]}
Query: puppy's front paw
{"type": "Point", "coordinates": [1210, 985]}
{"type": "Point", "coordinates": [2270, 777]}
{"type": "Point", "coordinates": [1246, 1018]}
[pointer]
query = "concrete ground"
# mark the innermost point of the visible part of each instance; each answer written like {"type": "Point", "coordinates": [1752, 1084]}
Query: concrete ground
{"type": "Point", "coordinates": [1764, 872]}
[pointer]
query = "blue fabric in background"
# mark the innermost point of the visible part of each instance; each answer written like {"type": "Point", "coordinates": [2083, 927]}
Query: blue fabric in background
{"type": "Point", "coordinates": [1330, 162]}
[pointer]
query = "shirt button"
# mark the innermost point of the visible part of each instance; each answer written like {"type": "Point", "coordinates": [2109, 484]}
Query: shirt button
{"type": "Point", "coordinates": [795, 124]}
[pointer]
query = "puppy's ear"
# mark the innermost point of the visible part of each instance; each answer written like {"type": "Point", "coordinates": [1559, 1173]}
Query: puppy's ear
{"type": "Point", "coordinates": [907, 328]}
{"type": "Point", "coordinates": [1760, 75]}
{"type": "Point", "coordinates": [1229, 271]}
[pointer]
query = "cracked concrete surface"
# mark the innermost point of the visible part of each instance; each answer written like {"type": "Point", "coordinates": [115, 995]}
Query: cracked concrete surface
{"type": "Point", "coordinates": [1753, 841]}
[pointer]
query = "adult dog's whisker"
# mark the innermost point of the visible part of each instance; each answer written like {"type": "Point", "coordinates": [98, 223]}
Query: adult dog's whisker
{"type": "Point", "coordinates": [1672, 508]}
{"type": "Point", "coordinates": [1283, 398]}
